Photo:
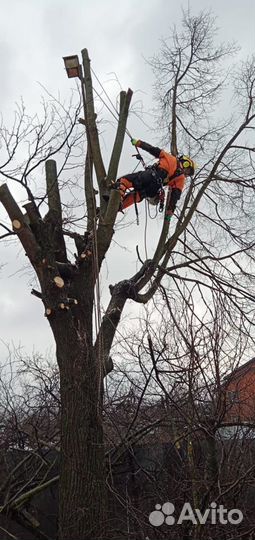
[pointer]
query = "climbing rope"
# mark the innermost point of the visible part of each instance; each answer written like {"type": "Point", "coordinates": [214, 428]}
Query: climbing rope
{"type": "Point", "coordinates": [145, 228]}
{"type": "Point", "coordinates": [95, 266]}
{"type": "Point", "coordinates": [116, 116]}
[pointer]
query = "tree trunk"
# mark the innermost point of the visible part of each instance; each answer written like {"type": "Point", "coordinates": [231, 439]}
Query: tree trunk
{"type": "Point", "coordinates": [82, 477]}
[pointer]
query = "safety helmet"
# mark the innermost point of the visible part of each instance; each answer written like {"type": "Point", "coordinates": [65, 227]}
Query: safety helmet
{"type": "Point", "coordinates": [188, 163]}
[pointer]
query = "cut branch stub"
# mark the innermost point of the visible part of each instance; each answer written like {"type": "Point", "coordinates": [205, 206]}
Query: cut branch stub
{"type": "Point", "coordinates": [32, 212]}
{"type": "Point", "coordinates": [62, 305]}
{"type": "Point", "coordinates": [67, 302]}
{"type": "Point", "coordinates": [16, 225]}
{"type": "Point", "coordinates": [54, 216]}
{"type": "Point", "coordinates": [59, 282]}
{"type": "Point", "coordinates": [125, 99]}
{"type": "Point", "coordinates": [85, 254]}
{"type": "Point", "coordinates": [27, 239]}
{"type": "Point", "coordinates": [71, 301]}
{"type": "Point", "coordinates": [37, 294]}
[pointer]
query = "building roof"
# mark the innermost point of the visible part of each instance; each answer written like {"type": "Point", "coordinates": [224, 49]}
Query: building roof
{"type": "Point", "coordinates": [241, 370]}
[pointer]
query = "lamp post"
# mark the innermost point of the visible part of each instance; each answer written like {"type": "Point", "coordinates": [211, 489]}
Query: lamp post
{"type": "Point", "coordinates": [74, 69]}
{"type": "Point", "coordinates": [72, 65]}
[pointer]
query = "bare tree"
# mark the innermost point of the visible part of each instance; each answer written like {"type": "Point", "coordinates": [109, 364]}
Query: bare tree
{"type": "Point", "coordinates": [207, 249]}
{"type": "Point", "coordinates": [67, 292]}
{"type": "Point", "coordinates": [177, 366]}
{"type": "Point", "coordinates": [30, 432]}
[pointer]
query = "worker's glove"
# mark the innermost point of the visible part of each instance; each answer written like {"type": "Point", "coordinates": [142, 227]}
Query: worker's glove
{"type": "Point", "coordinates": [135, 142]}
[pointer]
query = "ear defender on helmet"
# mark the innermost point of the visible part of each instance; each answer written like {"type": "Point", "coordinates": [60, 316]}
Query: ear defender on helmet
{"type": "Point", "coordinates": [187, 163]}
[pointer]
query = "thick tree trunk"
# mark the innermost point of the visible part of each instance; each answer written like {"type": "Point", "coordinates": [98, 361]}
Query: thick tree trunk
{"type": "Point", "coordinates": [82, 478]}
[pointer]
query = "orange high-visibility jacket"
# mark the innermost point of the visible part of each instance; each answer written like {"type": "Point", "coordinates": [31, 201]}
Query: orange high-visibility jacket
{"type": "Point", "coordinates": [169, 163]}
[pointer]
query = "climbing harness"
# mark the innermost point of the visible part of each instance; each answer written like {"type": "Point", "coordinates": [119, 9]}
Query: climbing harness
{"type": "Point", "coordinates": [159, 197]}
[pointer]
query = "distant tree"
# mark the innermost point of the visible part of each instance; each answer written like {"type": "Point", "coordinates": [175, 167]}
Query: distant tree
{"type": "Point", "coordinates": [212, 246]}
{"type": "Point", "coordinates": [207, 245]}
{"type": "Point", "coordinates": [177, 365]}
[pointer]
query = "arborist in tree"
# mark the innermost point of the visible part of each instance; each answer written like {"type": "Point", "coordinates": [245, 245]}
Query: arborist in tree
{"type": "Point", "coordinates": [168, 171]}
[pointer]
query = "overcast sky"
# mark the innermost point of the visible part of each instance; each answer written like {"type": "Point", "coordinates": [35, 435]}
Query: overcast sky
{"type": "Point", "coordinates": [34, 36]}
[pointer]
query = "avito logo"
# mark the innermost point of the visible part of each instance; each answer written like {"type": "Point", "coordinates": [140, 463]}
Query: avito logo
{"type": "Point", "coordinates": [214, 514]}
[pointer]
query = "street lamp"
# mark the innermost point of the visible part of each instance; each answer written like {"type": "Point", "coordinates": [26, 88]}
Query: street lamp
{"type": "Point", "coordinates": [72, 65]}
{"type": "Point", "coordinates": [74, 69]}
